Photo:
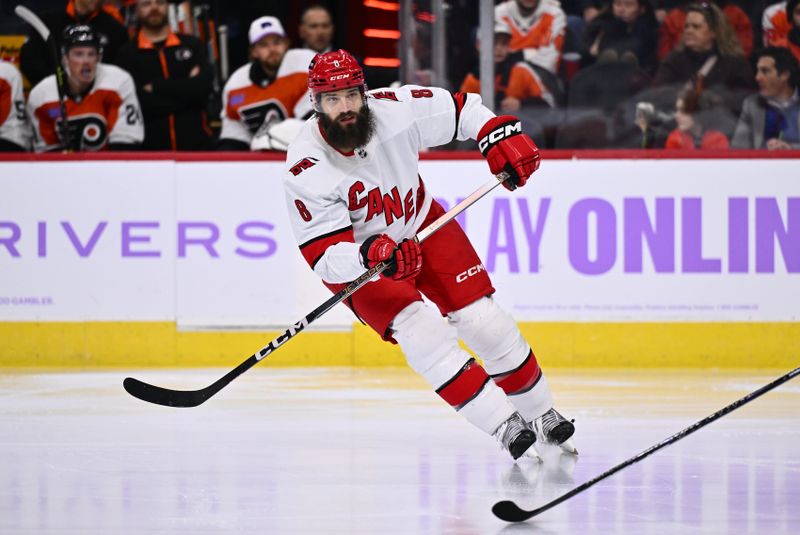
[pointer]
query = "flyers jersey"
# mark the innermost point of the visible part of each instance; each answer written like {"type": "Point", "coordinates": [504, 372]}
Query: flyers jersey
{"type": "Point", "coordinates": [776, 25]}
{"type": "Point", "coordinates": [250, 99]}
{"type": "Point", "coordinates": [539, 36]}
{"type": "Point", "coordinates": [336, 200]}
{"type": "Point", "coordinates": [108, 113]}
{"type": "Point", "coordinates": [14, 125]}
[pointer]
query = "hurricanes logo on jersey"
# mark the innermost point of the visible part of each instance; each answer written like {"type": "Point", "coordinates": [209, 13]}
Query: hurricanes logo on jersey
{"type": "Point", "coordinates": [393, 205]}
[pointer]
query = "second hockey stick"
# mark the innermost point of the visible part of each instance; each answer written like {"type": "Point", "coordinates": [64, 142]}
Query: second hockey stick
{"type": "Point", "coordinates": [193, 398]}
{"type": "Point", "coordinates": [61, 80]}
{"type": "Point", "coordinates": [511, 512]}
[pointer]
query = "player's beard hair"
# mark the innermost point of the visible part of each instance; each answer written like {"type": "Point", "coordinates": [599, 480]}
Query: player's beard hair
{"type": "Point", "coordinates": [349, 136]}
{"type": "Point", "coordinates": [154, 22]}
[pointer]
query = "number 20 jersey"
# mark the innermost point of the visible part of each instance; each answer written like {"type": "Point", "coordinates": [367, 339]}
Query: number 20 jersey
{"type": "Point", "coordinates": [108, 113]}
{"type": "Point", "coordinates": [336, 200]}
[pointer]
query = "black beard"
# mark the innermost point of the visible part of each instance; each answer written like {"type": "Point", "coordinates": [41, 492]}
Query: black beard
{"type": "Point", "coordinates": [351, 136]}
{"type": "Point", "coordinates": [159, 23]}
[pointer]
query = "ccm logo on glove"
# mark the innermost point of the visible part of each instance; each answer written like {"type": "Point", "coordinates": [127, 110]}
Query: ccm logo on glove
{"type": "Point", "coordinates": [512, 156]}
{"type": "Point", "coordinates": [499, 133]}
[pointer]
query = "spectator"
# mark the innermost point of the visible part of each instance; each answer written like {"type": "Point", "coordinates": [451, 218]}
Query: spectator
{"type": "Point", "coordinates": [671, 30]}
{"type": "Point", "coordinates": [771, 119]}
{"type": "Point", "coordinates": [781, 25]}
{"type": "Point", "coordinates": [692, 110]}
{"type": "Point", "coordinates": [709, 58]}
{"type": "Point", "coordinates": [173, 80]}
{"type": "Point", "coordinates": [101, 107]}
{"type": "Point", "coordinates": [35, 60]}
{"type": "Point", "coordinates": [515, 80]}
{"type": "Point", "coordinates": [626, 31]}
{"type": "Point", "coordinates": [504, 62]}
{"type": "Point", "coordinates": [15, 132]}
{"type": "Point", "coordinates": [316, 28]}
{"type": "Point", "coordinates": [580, 13]}
{"type": "Point", "coordinates": [586, 10]}
{"type": "Point", "coordinates": [537, 28]}
{"type": "Point", "coordinates": [263, 100]}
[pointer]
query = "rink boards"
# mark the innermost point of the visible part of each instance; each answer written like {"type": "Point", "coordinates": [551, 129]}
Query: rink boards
{"type": "Point", "coordinates": [191, 262]}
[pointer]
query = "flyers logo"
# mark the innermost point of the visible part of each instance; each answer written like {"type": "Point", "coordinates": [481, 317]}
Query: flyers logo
{"type": "Point", "coordinates": [88, 132]}
{"type": "Point", "coordinates": [260, 113]}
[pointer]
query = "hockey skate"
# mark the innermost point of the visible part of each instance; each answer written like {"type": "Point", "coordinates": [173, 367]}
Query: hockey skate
{"type": "Point", "coordinates": [554, 429]}
{"type": "Point", "coordinates": [517, 438]}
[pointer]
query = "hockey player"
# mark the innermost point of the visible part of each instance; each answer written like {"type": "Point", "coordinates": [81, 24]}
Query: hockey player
{"type": "Point", "coordinates": [355, 198]}
{"type": "Point", "coordinates": [102, 109]}
{"type": "Point", "coordinates": [537, 28]}
{"type": "Point", "coordinates": [264, 100]}
{"type": "Point", "coordinates": [15, 132]}
{"type": "Point", "coordinates": [105, 20]}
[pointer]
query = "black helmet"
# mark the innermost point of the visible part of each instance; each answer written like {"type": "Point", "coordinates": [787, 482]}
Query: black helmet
{"type": "Point", "coordinates": [80, 35]}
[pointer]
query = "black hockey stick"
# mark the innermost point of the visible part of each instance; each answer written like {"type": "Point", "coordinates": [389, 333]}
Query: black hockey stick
{"type": "Point", "coordinates": [61, 81]}
{"type": "Point", "coordinates": [511, 512]}
{"type": "Point", "coordinates": [193, 398]}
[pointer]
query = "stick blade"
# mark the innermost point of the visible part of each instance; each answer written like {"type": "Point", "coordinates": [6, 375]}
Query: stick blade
{"type": "Point", "coordinates": [31, 18]}
{"type": "Point", "coordinates": [511, 512]}
{"type": "Point", "coordinates": [163, 396]}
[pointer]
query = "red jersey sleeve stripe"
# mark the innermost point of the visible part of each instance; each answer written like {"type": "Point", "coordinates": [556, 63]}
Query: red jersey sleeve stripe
{"type": "Point", "coordinates": [314, 248]}
{"type": "Point", "coordinates": [465, 385]}
{"type": "Point", "coordinates": [521, 379]}
{"type": "Point", "coordinates": [459, 99]}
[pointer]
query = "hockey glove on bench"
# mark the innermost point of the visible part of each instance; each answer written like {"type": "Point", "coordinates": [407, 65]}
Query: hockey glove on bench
{"type": "Point", "coordinates": [510, 153]}
{"type": "Point", "coordinates": [405, 259]}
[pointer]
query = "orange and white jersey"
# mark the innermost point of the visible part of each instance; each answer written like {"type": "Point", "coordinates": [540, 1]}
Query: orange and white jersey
{"type": "Point", "coordinates": [108, 113]}
{"type": "Point", "coordinates": [540, 36]}
{"type": "Point", "coordinates": [14, 125]}
{"type": "Point", "coordinates": [336, 200]}
{"type": "Point", "coordinates": [249, 99]}
{"type": "Point", "coordinates": [524, 82]}
{"type": "Point", "coordinates": [775, 25]}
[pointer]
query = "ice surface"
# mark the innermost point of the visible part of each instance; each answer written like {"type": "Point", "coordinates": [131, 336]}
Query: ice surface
{"type": "Point", "coordinates": [330, 451]}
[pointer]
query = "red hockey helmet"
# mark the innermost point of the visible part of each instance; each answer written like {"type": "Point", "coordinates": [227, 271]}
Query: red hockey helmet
{"type": "Point", "coordinates": [332, 71]}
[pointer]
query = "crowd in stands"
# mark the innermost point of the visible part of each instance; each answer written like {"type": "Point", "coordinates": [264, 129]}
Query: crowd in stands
{"type": "Point", "coordinates": [581, 74]}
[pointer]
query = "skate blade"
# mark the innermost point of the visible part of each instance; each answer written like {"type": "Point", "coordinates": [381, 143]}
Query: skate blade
{"type": "Point", "coordinates": [569, 447]}
{"type": "Point", "coordinates": [531, 453]}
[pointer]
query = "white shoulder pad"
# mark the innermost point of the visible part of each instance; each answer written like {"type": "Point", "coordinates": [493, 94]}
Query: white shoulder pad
{"type": "Point", "coordinates": [111, 77]}
{"type": "Point", "coordinates": [44, 91]}
{"type": "Point", "coordinates": [8, 71]}
{"type": "Point", "coordinates": [239, 78]}
{"type": "Point", "coordinates": [296, 60]}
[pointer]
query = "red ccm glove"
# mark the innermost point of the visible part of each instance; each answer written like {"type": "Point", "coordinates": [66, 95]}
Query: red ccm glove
{"type": "Point", "coordinates": [405, 259]}
{"type": "Point", "coordinates": [512, 155]}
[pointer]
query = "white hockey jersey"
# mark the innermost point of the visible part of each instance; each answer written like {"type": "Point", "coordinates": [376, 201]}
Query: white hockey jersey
{"type": "Point", "coordinates": [336, 200]}
{"type": "Point", "coordinates": [540, 36]}
{"type": "Point", "coordinates": [249, 103]}
{"type": "Point", "coordinates": [108, 113]}
{"type": "Point", "coordinates": [14, 126]}
{"type": "Point", "coordinates": [775, 25]}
